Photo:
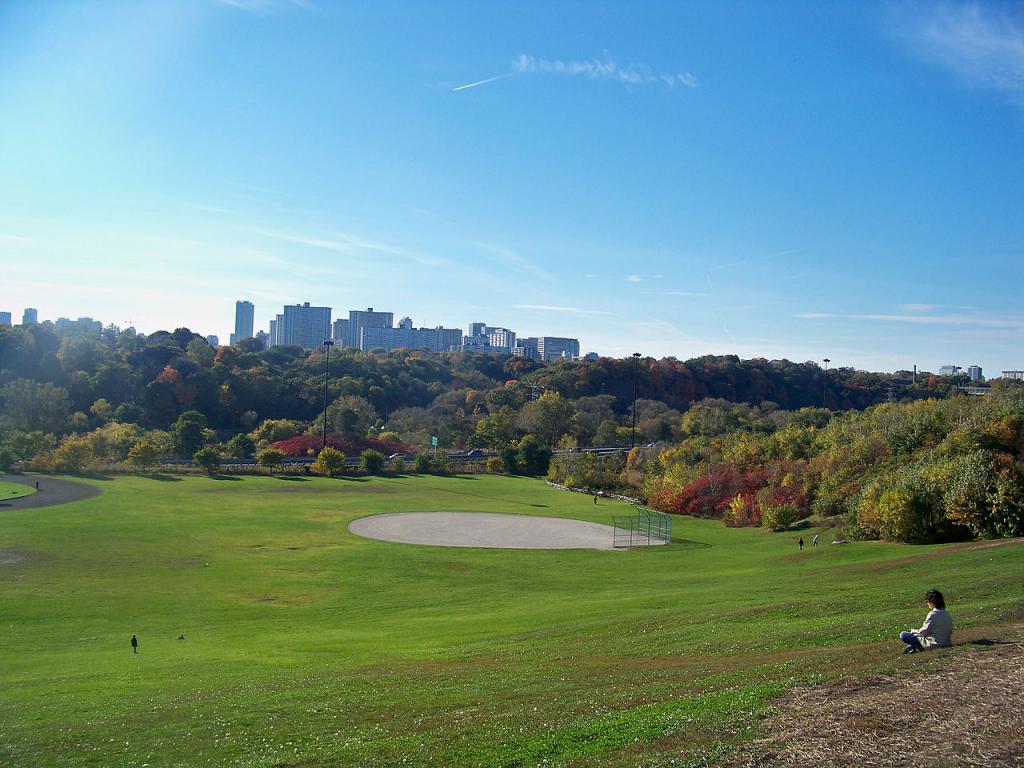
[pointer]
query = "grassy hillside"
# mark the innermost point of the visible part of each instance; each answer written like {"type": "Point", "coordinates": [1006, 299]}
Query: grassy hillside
{"type": "Point", "coordinates": [305, 645]}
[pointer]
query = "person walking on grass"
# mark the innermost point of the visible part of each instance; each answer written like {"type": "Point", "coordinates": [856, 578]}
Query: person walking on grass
{"type": "Point", "coordinates": [801, 543]}
{"type": "Point", "coordinates": [135, 644]}
{"type": "Point", "coordinates": [814, 541]}
{"type": "Point", "coordinates": [937, 630]}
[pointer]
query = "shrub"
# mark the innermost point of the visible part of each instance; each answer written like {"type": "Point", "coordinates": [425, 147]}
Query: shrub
{"type": "Point", "coordinates": [371, 461]}
{"type": "Point", "coordinates": [423, 463]}
{"type": "Point", "coordinates": [143, 455]}
{"type": "Point", "coordinates": [207, 459]}
{"type": "Point", "coordinates": [271, 458]}
{"type": "Point", "coordinates": [495, 465]}
{"type": "Point", "coordinates": [329, 461]}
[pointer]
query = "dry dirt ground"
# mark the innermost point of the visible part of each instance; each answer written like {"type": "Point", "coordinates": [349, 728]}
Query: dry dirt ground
{"type": "Point", "coordinates": [966, 709]}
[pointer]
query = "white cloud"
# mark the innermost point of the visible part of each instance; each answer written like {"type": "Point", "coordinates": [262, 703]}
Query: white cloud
{"type": "Point", "coordinates": [553, 308]}
{"type": "Point", "coordinates": [977, 321]}
{"type": "Point", "coordinates": [602, 69]}
{"type": "Point", "coordinates": [514, 261]}
{"type": "Point", "coordinates": [634, 279]}
{"type": "Point", "coordinates": [983, 44]}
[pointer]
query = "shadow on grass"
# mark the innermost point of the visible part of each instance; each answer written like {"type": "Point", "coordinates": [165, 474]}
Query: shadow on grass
{"type": "Point", "coordinates": [162, 477]}
{"type": "Point", "coordinates": [542, 506]}
{"type": "Point", "coordinates": [987, 643]}
{"type": "Point", "coordinates": [292, 478]}
{"type": "Point", "coordinates": [690, 543]}
{"type": "Point", "coordinates": [219, 476]}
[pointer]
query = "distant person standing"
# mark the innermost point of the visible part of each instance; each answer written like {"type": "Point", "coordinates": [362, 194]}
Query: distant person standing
{"type": "Point", "coordinates": [814, 541]}
{"type": "Point", "coordinates": [595, 498]}
{"type": "Point", "coordinates": [135, 644]}
{"type": "Point", "coordinates": [37, 485]}
{"type": "Point", "coordinates": [801, 543]}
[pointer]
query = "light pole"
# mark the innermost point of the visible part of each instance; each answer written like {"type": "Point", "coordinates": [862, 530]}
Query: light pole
{"type": "Point", "coordinates": [824, 386]}
{"type": "Point", "coordinates": [636, 366]}
{"type": "Point", "coordinates": [327, 375]}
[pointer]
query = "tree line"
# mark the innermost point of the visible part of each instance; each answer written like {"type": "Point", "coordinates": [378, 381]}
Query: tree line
{"type": "Point", "coordinates": [740, 439]}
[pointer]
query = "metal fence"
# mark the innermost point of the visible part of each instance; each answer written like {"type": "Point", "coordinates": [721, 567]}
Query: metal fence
{"type": "Point", "coordinates": [643, 529]}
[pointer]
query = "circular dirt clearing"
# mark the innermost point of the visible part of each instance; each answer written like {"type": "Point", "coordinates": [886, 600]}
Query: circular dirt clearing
{"type": "Point", "coordinates": [484, 529]}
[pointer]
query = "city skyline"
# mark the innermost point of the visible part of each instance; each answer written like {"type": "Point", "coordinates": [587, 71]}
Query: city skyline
{"type": "Point", "coordinates": [781, 181]}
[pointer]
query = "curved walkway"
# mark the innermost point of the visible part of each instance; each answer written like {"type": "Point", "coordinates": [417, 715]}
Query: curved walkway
{"type": "Point", "coordinates": [51, 492]}
{"type": "Point", "coordinates": [484, 529]}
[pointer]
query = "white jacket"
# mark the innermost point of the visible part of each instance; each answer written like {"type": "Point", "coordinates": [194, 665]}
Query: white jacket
{"type": "Point", "coordinates": [937, 630]}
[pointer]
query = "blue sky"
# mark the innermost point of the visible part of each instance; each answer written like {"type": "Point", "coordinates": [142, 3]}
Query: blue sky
{"type": "Point", "coordinates": [800, 180]}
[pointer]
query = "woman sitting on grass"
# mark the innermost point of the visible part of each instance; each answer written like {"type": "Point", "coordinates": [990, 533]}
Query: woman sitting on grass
{"type": "Point", "coordinates": [937, 630]}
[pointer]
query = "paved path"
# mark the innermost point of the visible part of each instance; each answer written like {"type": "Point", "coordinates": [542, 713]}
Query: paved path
{"type": "Point", "coordinates": [51, 491]}
{"type": "Point", "coordinates": [484, 529]}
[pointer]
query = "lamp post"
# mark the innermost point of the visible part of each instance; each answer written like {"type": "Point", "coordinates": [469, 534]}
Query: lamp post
{"type": "Point", "coordinates": [636, 364]}
{"type": "Point", "coordinates": [824, 386]}
{"type": "Point", "coordinates": [327, 375]}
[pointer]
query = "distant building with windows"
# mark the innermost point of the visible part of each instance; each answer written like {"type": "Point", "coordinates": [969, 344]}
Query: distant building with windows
{"type": "Point", "coordinates": [1014, 375]}
{"type": "Point", "coordinates": [244, 314]}
{"type": "Point", "coordinates": [5, 318]}
{"type": "Point", "coordinates": [557, 348]}
{"type": "Point", "coordinates": [527, 347]}
{"type": "Point", "coordinates": [214, 341]}
{"type": "Point", "coordinates": [30, 316]}
{"type": "Point", "coordinates": [432, 339]}
{"type": "Point", "coordinates": [302, 325]}
{"type": "Point", "coordinates": [949, 370]}
{"type": "Point", "coordinates": [81, 325]}
{"type": "Point", "coordinates": [485, 338]}
{"type": "Point", "coordinates": [358, 320]}
{"type": "Point", "coordinates": [974, 372]}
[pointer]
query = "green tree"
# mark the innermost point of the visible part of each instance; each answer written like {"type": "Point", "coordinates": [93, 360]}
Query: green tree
{"type": "Point", "coordinates": [548, 417]}
{"type": "Point", "coordinates": [371, 461]}
{"type": "Point", "coordinates": [208, 460]}
{"type": "Point", "coordinates": [329, 461]}
{"type": "Point", "coordinates": [30, 406]}
{"type": "Point", "coordinates": [143, 455]}
{"type": "Point", "coordinates": [73, 455]}
{"type": "Point", "coordinates": [271, 458]}
{"type": "Point", "coordinates": [188, 433]}
{"type": "Point", "coordinates": [532, 457]}
{"type": "Point", "coordinates": [241, 447]}
{"type": "Point", "coordinates": [101, 411]}
{"type": "Point", "coordinates": [272, 430]}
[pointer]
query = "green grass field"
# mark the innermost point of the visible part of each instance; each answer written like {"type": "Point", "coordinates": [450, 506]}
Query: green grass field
{"type": "Point", "coordinates": [14, 490]}
{"type": "Point", "coordinates": [307, 646]}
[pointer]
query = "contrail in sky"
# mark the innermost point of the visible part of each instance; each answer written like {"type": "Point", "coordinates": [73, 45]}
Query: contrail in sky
{"type": "Point", "coordinates": [483, 82]}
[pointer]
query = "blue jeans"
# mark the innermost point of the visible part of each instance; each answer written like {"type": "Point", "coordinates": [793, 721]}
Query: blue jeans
{"type": "Point", "coordinates": [912, 640]}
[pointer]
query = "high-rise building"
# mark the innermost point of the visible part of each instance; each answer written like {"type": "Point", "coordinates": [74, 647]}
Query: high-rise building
{"type": "Point", "coordinates": [974, 371]}
{"type": "Point", "coordinates": [244, 313]}
{"type": "Point", "coordinates": [214, 341]}
{"type": "Point", "coordinates": [30, 316]}
{"type": "Point", "coordinates": [557, 348]}
{"type": "Point", "coordinates": [81, 325]}
{"type": "Point", "coordinates": [339, 331]}
{"type": "Point", "coordinates": [527, 348]}
{"type": "Point", "coordinates": [301, 324]}
{"type": "Point", "coordinates": [5, 318]}
{"type": "Point", "coordinates": [358, 320]}
{"type": "Point", "coordinates": [433, 339]}
{"type": "Point", "coordinates": [949, 370]}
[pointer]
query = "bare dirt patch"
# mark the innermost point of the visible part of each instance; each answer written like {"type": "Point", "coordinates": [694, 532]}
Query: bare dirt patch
{"type": "Point", "coordinates": [484, 529]}
{"type": "Point", "coordinates": [967, 711]}
{"type": "Point", "coordinates": [10, 557]}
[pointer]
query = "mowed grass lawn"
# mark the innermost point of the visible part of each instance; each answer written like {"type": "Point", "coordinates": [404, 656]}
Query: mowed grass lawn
{"type": "Point", "coordinates": [305, 645]}
{"type": "Point", "coordinates": [14, 491]}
